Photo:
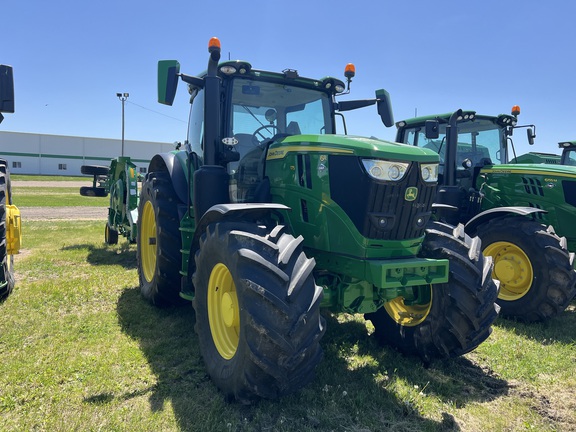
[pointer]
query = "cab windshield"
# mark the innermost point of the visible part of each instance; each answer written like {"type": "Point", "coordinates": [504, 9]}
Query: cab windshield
{"type": "Point", "coordinates": [569, 156]}
{"type": "Point", "coordinates": [477, 140]}
{"type": "Point", "coordinates": [262, 110]}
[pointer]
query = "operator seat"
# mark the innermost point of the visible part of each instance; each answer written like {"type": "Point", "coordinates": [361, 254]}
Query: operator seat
{"type": "Point", "coordinates": [245, 171]}
{"type": "Point", "coordinates": [293, 128]}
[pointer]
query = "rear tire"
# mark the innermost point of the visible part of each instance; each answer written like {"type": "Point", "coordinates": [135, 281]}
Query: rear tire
{"type": "Point", "coordinates": [257, 311]}
{"type": "Point", "coordinates": [6, 260]}
{"type": "Point", "coordinates": [460, 313]}
{"type": "Point", "coordinates": [537, 278]}
{"type": "Point", "coordinates": [159, 241]}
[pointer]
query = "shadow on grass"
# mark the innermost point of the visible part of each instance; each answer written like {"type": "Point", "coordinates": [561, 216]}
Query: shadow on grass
{"type": "Point", "coordinates": [167, 339]}
{"type": "Point", "coordinates": [359, 385]}
{"type": "Point", "coordinates": [123, 254]}
{"type": "Point", "coordinates": [456, 381]}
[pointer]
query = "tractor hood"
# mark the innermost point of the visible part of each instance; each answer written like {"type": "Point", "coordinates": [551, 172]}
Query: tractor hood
{"type": "Point", "coordinates": [533, 169]}
{"type": "Point", "coordinates": [353, 145]}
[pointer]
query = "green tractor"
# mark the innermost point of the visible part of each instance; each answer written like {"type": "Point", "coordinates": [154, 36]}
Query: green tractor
{"type": "Point", "coordinates": [511, 206]}
{"type": "Point", "coordinates": [266, 216]}
{"type": "Point", "coordinates": [10, 227]}
{"type": "Point", "coordinates": [537, 158]}
{"type": "Point", "coordinates": [120, 182]}
{"type": "Point", "coordinates": [568, 156]}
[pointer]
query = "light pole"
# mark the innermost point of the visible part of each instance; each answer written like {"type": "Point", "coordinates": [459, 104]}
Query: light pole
{"type": "Point", "coordinates": [122, 97]}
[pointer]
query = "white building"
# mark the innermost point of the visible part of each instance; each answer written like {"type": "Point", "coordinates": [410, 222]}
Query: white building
{"type": "Point", "coordinates": [30, 153]}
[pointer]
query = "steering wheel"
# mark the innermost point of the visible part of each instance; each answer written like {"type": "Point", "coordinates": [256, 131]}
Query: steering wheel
{"type": "Point", "coordinates": [271, 129]}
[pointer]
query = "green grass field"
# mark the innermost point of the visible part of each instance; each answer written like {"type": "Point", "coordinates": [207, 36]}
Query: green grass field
{"type": "Point", "coordinates": [81, 350]}
{"type": "Point", "coordinates": [27, 193]}
{"type": "Point", "coordinates": [24, 196]}
{"type": "Point", "coordinates": [27, 177]}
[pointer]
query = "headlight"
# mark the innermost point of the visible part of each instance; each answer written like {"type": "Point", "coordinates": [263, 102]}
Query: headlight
{"type": "Point", "coordinates": [429, 172]}
{"type": "Point", "coordinates": [385, 170]}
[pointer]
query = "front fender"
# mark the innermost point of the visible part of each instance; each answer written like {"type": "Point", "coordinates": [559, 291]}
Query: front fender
{"type": "Point", "coordinates": [239, 212]}
{"type": "Point", "coordinates": [221, 212]}
{"type": "Point", "coordinates": [487, 215]}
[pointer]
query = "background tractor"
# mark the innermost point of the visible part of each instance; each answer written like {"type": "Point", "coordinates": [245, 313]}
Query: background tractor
{"type": "Point", "coordinates": [512, 207]}
{"type": "Point", "coordinates": [10, 228]}
{"type": "Point", "coordinates": [120, 181]}
{"type": "Point", "coordinates": [266, 216]}
{"type": "Point", "coordinates": [568, 156]}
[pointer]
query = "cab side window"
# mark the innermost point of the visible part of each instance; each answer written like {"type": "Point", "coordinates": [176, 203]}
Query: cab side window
{"type": "Point", "coordinates": [196, 125]}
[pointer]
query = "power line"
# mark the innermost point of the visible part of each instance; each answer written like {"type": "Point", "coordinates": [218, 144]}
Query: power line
{"type": "Point", "coordinates": [156, 112]}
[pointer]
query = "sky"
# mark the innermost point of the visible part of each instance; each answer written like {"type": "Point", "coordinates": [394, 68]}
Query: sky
{"type": "Point", "coordinates": [70, 58]}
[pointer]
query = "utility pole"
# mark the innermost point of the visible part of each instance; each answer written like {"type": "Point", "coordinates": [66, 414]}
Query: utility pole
{"type": "Point", "coordinates": [122, 97]}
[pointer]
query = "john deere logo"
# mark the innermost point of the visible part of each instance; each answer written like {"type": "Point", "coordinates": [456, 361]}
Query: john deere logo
{"type": "Point", "coordinates": [411, 194]}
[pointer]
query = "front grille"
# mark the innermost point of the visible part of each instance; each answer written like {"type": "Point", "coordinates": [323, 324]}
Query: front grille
{"type": "Point", "coordinates": [379, 210]}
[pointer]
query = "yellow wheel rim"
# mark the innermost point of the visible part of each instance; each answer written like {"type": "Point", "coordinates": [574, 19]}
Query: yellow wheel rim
{"type": "Point", "coordinates": [512, 268]}
{"type": "Point", "coordinates": [408, 315]}
{"type": "Point", "coordinates": [148, 241]}
{"type": "Point", "coordinates": [223, 311]}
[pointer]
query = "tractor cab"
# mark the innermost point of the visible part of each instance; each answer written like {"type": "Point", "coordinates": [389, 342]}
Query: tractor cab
{"type": "Point", "coordinates": [260, 108]}
{"type": "Point", "coordinates": [6, 90]}
{"type": "Point", "coordinates": [568, 153]}
{"type": "Point", "coordinates": [238, 112]}
{"type": "Point", "coordinates": [481, 141]}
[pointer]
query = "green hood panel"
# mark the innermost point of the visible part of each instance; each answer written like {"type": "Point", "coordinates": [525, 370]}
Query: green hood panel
{"type": "Point", "coordinates": [353, 145]}
{"type": "Point", "coordinates": [563, 171]}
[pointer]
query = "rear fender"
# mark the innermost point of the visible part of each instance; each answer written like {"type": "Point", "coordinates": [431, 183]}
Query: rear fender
{"type": "Point", "coordinates": [175, 165]}
{"type": "Point", "coordinates": [487, 215]}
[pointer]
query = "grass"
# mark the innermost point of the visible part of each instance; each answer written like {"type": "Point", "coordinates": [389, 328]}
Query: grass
{"type": "Point", "coordinates": [61, 196]}
{"type": "Point", "coordinates": [29, 177]}
{"type": "Point", "coordinates": [81, 350]}
{"type": "Point", "coordinates": [54, 197]}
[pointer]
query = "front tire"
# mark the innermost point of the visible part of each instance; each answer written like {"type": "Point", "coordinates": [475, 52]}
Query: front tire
{"type": "Point", "coordinates": [537, 278]}
{"type": "Point", "coordinates": [459, 314]}
{"type": "Point", "coordinates": [159, 241]}
{"type": "Point", "coordinates": [257, 311]}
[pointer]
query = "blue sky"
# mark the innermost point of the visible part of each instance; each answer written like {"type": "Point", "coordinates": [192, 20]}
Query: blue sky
{"type": "Point", "coordinates": [70, 58]}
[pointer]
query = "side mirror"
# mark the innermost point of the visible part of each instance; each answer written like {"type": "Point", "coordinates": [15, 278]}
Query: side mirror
{"type": "Point", "coordinates": [531, 136]}
{"type": "Point", "coordinates": [6, 89]}
{"type": "Point", "coordinates": [384, 106]}
{"type": "Point", "coordinates": [432, 129]}
{"type": "Point", "coordinates": [168, 71]}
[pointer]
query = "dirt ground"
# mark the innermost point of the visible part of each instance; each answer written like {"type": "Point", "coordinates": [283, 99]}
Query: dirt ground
{"type": "Point", "coordinates": [63, 213]}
